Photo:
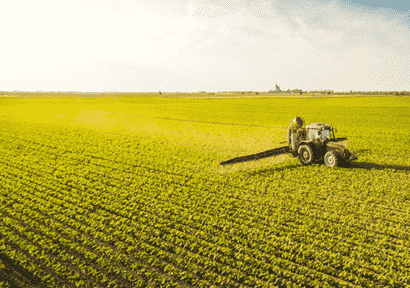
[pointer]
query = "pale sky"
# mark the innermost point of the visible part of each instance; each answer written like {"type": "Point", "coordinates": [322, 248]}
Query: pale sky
{"type": "Point", "coordinates": [198, 45]}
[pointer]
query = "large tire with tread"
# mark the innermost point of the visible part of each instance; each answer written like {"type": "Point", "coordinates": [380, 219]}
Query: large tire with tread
{"type": "Point", "coordinates": [306, 156]}
{"type": "Point", "coordinates": [332, 159]}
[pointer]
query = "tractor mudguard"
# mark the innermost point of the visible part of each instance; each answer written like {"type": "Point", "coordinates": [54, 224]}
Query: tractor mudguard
{"type": "Point", "coordinates": [339, 149]}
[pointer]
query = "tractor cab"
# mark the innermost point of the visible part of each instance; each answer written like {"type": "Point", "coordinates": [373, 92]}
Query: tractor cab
{"type": "Point", "coordinates": [315, 133]}
{"type": "Point", "coordinates": [319, 132]}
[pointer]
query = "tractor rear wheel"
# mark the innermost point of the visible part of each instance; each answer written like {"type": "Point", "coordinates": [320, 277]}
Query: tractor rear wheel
{"type": "Point", "coordinates": [332, 159]}
{"type": "Point", "coordinates": [305, 155]}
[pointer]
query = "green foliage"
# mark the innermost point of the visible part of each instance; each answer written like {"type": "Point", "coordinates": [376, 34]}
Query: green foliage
{"type": "Point", "coordinates": [129, 193]}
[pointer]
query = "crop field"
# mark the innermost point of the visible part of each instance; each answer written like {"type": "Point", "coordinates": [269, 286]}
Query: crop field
{"type": "Point", "coordinates": [128, 192]}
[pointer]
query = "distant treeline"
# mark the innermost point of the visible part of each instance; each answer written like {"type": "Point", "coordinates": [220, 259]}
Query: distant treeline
{"type": "Point", "coordinates": [299, 91]}
{"type": "Point", "coordinates": [293, 92]}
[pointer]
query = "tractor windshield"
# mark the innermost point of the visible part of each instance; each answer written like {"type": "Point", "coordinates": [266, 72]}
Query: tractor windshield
{"type": "Point", "coordinates": [326, 134]}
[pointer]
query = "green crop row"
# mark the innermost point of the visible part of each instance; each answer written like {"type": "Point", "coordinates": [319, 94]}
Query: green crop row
{"type": "Point", "coordinates": [124, 207]}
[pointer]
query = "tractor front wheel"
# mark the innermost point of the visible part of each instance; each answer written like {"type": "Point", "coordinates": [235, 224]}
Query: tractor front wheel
{"type": "Point", "coordinates": [305, 155]}
{"type": "Point", "coordinates": [332, 159]}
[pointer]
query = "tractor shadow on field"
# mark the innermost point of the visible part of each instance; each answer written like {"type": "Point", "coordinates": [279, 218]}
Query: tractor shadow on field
{"type": "Point", "coordinates": [363, 151]}
{"type": "Point", "coordinates": [353, 165]}
{"type": "Point", "coordinates": [370, 166]}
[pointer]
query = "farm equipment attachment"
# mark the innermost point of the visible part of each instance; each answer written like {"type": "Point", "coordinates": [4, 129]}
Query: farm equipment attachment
{"type": "Point", "coordinates": [314, 143]}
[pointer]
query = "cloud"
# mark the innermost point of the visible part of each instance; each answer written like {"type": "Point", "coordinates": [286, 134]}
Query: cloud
{"type": "Point", "coordinates": [221, 45]}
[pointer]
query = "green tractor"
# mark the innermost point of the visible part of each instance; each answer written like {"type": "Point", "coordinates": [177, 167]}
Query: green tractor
{"type": "Point", "coordinates": [315, 143]}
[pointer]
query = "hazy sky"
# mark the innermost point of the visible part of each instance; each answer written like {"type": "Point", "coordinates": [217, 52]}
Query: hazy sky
{"type": "Point", "coordinates": [186, 46]}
